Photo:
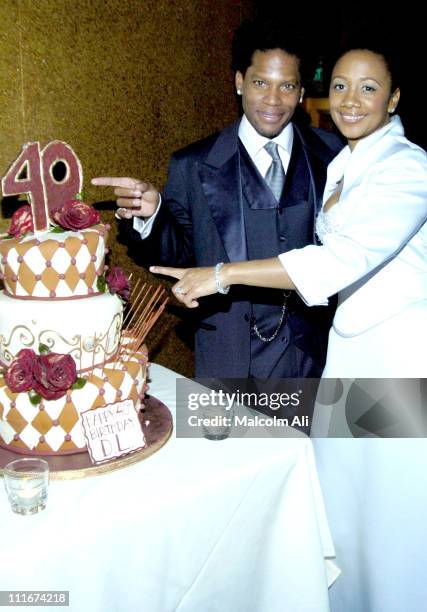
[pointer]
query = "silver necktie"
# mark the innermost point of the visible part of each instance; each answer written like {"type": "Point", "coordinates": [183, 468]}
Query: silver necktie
{"type": "Point", "coordinates": [275, 176]}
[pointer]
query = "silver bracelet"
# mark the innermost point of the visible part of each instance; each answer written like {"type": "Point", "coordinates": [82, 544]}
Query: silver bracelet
{"type": "Point", "coordinates": [219, 287]}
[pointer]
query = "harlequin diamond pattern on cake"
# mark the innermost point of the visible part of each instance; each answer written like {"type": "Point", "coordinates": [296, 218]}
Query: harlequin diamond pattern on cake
{"type": "Point", "coordinates": [55, 425]}
{"type": "Point", "coordinates": [57, 265]}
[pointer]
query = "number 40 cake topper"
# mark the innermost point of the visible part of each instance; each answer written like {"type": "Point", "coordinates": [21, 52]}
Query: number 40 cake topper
{"type": "Point", "coordinates": [32, 174]}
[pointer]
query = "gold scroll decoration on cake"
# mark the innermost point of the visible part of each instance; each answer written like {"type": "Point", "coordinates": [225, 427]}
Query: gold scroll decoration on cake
{"type": "Point", "coordinates": [98, 348]}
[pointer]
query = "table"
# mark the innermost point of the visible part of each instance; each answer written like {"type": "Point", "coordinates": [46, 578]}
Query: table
{"type": "Point", "coordinates": [200, 526]}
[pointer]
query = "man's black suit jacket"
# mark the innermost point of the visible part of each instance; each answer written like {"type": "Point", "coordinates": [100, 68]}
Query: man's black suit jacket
{"type": "Point", "coordinates": [200, 223]}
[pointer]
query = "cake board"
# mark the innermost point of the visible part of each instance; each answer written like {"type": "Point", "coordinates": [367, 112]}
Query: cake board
{"type": "Point", "coordinates": [157, 425]}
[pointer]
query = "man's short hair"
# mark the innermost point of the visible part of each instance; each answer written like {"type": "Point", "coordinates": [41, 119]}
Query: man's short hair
{"type": "Point", "coordinates": [263, 35]}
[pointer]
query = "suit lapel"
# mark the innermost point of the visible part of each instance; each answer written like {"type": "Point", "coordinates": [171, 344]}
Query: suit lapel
{"type": "Point", "coordinates": [221, 185]}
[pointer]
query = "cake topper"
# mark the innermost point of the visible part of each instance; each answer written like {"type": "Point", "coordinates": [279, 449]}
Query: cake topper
{"type": "Point", "coordinates": [49, 177]}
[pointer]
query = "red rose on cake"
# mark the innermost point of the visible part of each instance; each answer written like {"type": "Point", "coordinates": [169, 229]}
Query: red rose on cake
{"type": "Point", "coordinates": [76, 215]}
{"type": "Point", "coordinates": [54, 374]}
{"type": "Point", "coordinates": [118, 282]}
{"type": "Point", "coordinates": [20, 374]}
{"type": "Point", "coordinates": [22, 221]}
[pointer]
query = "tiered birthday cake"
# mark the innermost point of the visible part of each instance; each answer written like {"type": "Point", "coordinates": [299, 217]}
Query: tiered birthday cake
{"type": "Point", "coordinates": [62, 347]}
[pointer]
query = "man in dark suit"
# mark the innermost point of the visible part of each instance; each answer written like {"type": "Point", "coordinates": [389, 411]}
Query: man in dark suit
{"type": "Point", "coordinates": [230, 197]}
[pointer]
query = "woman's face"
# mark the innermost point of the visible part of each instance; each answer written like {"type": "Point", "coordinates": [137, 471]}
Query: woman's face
{"type": "Point", "coordinates": [360, 97]}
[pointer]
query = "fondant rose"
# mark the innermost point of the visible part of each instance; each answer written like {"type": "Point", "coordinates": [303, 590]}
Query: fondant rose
{"type": "Point", "coordinates": [53, 375]}
{"type": "Point", "coordinates": [20, 374]}
{"type": "Point", "coordinates": [22, 221]}
{"type": "Point", "coordinates": [76, 215]}
{"type": "Point", "coordinates": [118, 282]}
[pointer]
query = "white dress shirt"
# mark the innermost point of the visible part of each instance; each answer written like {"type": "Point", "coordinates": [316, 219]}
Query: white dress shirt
{"type": "Point", "coordinates": [254, 144]}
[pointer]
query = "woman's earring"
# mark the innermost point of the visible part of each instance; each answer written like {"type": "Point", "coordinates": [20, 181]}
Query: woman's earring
{"type": "Point", "coordinates": [239, 92]}
{"type": "Point", "coordinates": [300, 99]}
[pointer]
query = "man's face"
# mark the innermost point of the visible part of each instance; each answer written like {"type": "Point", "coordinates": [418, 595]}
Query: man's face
{"type": "Point", "coordinates": [271, 90]}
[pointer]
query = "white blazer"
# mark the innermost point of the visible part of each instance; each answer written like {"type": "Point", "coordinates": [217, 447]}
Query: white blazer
{"type": "Point", "coordinates": [375, 254]}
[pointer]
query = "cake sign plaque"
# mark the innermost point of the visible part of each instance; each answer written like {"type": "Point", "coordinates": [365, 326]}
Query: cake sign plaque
{"type": "Point", "coordinates": [112, 431]}
{"type": "Point", "coordinates": [33, 173]}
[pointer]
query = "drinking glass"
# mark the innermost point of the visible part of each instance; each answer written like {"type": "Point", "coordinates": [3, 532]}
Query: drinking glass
{"type": "Point", "coordinates": [26, 481]}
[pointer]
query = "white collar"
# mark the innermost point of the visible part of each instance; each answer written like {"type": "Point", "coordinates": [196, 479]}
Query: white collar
{"type": "Point", "coordinates": [393, 127]}
{"type": "Point", "coordinates": [254, 142]}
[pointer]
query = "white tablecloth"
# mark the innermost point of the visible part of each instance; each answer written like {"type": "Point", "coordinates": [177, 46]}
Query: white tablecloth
{"type": "Point", "coordinates": [200, 526]}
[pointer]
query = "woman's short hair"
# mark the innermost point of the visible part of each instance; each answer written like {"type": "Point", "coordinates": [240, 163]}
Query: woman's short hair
{"type": "Point", "coordinates": [380, 46]}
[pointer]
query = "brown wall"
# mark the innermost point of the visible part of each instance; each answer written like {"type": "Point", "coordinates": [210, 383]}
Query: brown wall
{"type": "Point", "coordinates": [124, 83]}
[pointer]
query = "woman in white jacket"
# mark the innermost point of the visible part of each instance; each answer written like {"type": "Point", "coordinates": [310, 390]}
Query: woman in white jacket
{"type": "Point", "coordinates": [373, 233]}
